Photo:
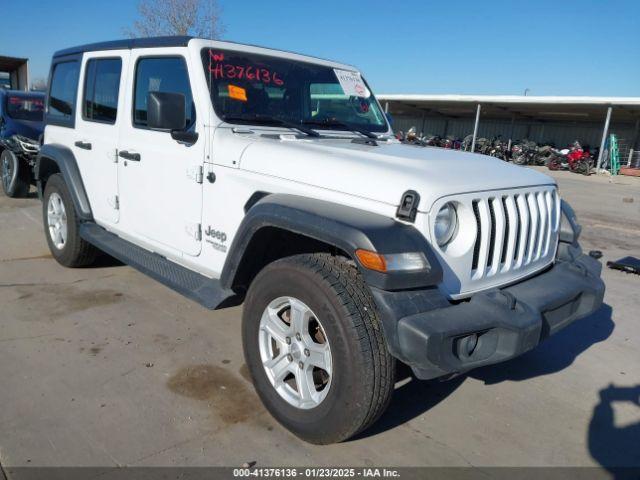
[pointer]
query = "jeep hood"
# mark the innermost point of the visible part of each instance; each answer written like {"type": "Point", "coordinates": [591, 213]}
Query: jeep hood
{"type": "Point", "coordinates": [384, 172]}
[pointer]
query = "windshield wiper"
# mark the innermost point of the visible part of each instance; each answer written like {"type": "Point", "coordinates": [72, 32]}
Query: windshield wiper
{"type": "Point", "coordinates": [267, 119]}
{"type": "Point", "coordinates": [330, 122]}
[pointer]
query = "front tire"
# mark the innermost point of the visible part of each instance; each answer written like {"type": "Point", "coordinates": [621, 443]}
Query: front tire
{"type": "Point", "coordinates": [355, 378]}
{"type": "Point", "coordinates": [62, 226]}
{"type": "Point", "coordinates": [15, 176]}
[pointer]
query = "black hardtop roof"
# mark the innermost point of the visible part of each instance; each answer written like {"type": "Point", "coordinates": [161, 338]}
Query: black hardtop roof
{"type": "Point", "coordinates": [157, 42]}
{"type": "Point", "coordinates": [127, 44]}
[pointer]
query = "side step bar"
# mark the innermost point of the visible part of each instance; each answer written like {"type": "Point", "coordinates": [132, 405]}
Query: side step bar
{"type": "Point", "coordinates": [206, 291]}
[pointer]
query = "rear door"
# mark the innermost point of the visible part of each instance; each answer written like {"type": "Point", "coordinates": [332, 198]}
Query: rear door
{"type": "Point", "coordinates": [160, 179]}
{"type": "Point", "coordinates": [101, 112]}
{"type": "Point", "coordinates": [60, 114]}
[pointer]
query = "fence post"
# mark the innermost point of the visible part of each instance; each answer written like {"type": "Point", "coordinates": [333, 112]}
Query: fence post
{"type": "Point", "coordinates": [513, 119]}
{"type": "Point", "coordinates": [634, 142]}
{"type": "Point", "coordinates": [475, 129]}
{"type": "Point", "coordinates": [604, 138]}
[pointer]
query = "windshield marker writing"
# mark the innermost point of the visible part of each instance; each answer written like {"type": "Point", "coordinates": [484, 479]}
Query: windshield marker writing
{"type": "Point", "coordinates": [226, 70]}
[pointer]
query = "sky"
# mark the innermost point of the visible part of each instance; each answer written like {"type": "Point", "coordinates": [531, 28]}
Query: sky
{"type": "Point", "coordinates": [550, 47]}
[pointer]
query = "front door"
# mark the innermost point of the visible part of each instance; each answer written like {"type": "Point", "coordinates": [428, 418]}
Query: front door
{"type": "Point", "coordinates": [95, 138]}
{"type": "Point", "coordinates": [159, 177]}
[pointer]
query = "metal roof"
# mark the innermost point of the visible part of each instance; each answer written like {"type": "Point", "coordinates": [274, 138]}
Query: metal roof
{"type": "Point", "coordinates": [21, 93]}
{"type": "Point", "coordinates": [128, 44]}
{"type": "Point", "coordinates": [549, 108]}
{"type": "Point", "coordinates": [518, 99]}
{"type": "Point", "coordinates": [9, 64]}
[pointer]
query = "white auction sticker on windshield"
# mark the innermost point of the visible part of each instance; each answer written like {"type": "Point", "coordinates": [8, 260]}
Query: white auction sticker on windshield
{"type": "Point", "coordinates": [352, 83]}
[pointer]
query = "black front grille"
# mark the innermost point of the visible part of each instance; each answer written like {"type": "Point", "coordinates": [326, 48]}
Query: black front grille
{"type": "Point", "coordinates": [492, 234]}
{"type": "Point", "coordinates": [476, 246]}
{"type": "Point", "coordinates": [518, 228]}
{"type": "Point", "coordinates": [503, 256]}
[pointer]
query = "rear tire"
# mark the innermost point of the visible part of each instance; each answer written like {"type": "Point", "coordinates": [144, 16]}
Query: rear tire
{"type": "Point", "coordinates": [62, 226]}
{"type": "Point", "coordinates": [15, 176]}
{"type": "Point", "coordinates": [362, 371]}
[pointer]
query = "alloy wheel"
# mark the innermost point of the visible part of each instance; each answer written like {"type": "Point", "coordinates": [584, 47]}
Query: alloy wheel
{"type": "Point", "coordinates": [57, 221]}
{"type": "Point", "coordinates": [295, 352]}
{"type": "Point", "coordinates": [7, 172]}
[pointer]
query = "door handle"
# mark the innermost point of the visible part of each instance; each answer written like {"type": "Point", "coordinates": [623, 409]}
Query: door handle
{"type": "Point", "coordinates": [134, 157]}
{"type": "Point", "coordinates": [83, 145]}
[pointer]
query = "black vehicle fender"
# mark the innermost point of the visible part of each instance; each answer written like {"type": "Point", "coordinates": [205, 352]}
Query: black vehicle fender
{"type": "Point", "coordinates": [53, 158]}
{"type": "Point", "coordinates": [345, 228]}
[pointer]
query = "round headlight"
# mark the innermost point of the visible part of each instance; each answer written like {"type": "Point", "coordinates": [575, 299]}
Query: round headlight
{"type": "Point", "coordinates": [446, 224]}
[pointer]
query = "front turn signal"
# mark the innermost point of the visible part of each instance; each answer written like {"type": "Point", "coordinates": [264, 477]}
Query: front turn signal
{"type": "Point", "coordinates": [393, 262]}
{"type": "Point", "coordinates": [372, 260]}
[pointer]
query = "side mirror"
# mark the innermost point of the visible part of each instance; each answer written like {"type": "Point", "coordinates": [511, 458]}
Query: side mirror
{"type": "Point", "coordinates": [166, 111]}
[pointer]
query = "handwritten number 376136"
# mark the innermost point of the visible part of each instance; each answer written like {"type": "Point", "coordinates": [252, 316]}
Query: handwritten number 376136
{"type": "Point", "coordinates": [238, 72]}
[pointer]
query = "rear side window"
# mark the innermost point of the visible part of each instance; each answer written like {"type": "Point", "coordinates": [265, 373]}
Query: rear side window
{"type": "Point", "coordinates": [101, 89]}
{"type": "Point", "coordinates": [161, 74]}
{"type": "Point", "coordinates": [62, 93]}
{"type": "Point", "coordinates": [25, 108]}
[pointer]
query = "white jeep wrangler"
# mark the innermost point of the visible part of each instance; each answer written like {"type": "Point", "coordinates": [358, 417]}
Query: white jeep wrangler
{"type": "Point", "coordinates": [234, 173]}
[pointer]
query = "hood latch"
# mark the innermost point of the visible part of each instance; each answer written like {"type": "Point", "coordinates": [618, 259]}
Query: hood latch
{"type": "Point", "coordinates": [408, 206]}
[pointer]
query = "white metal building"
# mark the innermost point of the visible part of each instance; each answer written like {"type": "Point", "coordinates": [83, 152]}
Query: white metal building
{"type": "Point", "coordinates": [559, 120]}
{"type": "Point", "coordinates": [14, 73]}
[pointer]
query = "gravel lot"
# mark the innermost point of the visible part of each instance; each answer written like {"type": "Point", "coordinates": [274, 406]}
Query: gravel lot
{"type": "Point", "coordinates": [105, 367]}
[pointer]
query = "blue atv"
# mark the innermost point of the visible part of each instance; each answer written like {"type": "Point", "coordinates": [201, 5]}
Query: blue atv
{"type": "Point", "coordinates": [21, 126]}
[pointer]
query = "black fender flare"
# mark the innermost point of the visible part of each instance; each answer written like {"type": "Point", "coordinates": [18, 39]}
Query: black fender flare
{"type": "Point", "coordinates": [343, 227]}
{"type": "Point", "coordinates": [67, 164]}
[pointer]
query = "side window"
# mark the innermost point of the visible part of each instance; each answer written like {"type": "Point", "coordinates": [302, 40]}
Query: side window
{"type": "Point", "coordinates": [101, 88]}
{"type": "Point", "coordinates": [161, 74]}
{"type": "Point", "coordinates": [62, 93]}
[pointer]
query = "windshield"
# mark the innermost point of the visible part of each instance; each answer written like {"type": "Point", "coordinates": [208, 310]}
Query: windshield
{"type": "Point", "coordinates": [247, 88]}
{"type": "Point", "coordinates": [25, 108]}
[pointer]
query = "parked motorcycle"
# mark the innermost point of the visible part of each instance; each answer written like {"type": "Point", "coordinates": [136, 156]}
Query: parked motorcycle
{"type": "Point", "coordinates": [544, 154]}
{"type": "Point", "coordinates": [483, 145]}
{"type": "Point", "coordinates": [447, 143]}
{"type": "Point", "coordinates": [524, 152]}
{"type": "Point", "coordinates": [575, 159]}
{"type": "Point", "coordinates": [466, 143]}
{"type": "Point", "coordinates": [498, 149]}
{"type": "Point", "coordinates": [450, 142]}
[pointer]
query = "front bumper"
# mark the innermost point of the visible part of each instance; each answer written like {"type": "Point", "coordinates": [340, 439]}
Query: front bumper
{"type": "Point", "coordinates": [437, 338]}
